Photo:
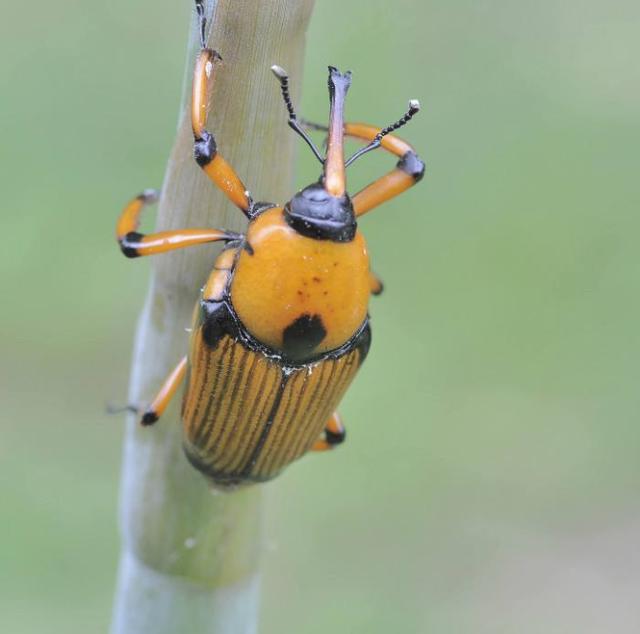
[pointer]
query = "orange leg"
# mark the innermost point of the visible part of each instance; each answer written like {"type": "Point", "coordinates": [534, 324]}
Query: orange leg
{"type": "Point", "coordinates": [334, 434]}
{"type": "Point", "coordinates": [134, 244]}
{"type": "Point", "coordinates": [376, 284]}
{"type": "Point", "coordinates": [205, 149]}
{"type": "Point", "coordinates": [408, 171]}
{"type": "Point", "coordinates": [166, 393]}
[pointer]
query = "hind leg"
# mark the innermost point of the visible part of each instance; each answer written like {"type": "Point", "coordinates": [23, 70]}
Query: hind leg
{"type": "Point", "coordinates": [334, 434]}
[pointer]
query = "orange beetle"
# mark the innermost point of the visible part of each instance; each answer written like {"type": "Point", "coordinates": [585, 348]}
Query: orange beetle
{"type": "Point", "coordinates": [281, 326]}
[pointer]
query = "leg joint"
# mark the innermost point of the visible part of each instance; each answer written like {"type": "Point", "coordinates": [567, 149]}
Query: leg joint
{"type": "Point", "coordinates": [205, 149]}
{"type": "Point", "coordinates": [128, 244]}
{"type": "Point", "coordinates": [412, 164]}
{"type": "Point", "coordinates": [335, 437]}
{"type": "Point", "coordinates": [148, 418]}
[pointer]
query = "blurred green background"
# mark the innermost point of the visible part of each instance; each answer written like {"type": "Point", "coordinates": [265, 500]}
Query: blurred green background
{"type": "Point", "coordinates": [491, 476]}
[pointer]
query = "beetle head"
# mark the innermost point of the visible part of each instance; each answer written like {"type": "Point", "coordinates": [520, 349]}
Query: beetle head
{"type": "Point", "coordinates": [323, 210]}
{"type": "Point", "coordinates": [316, 213]}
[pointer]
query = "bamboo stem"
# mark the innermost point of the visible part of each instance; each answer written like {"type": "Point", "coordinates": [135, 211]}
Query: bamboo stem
{"type": "Point", "coordinates": [190, 555]}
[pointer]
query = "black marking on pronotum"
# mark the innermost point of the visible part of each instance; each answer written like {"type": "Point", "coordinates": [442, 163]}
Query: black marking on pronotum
{"type": "Point", "coordinates": [412, 164]}
{"type": "Point", "coordinates": [130, 243]}
{"type": "Point", "coordinates": [333, 437]}
{"type": "Point", "coordinates": [302, 336]}
{"type": "Point", "coordinates": [315, 213]}
{"type": "Point", "coordinates": [217, 319]}
{"type": "Point", "coordinates": [205, 149]}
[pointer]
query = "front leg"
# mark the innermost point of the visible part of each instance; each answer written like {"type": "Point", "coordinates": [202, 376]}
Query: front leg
{"type": "Point", "coordinates": [409, 169]}
{"type": "Point", "coordinates": [205, 148]}
{"type": "Point", "coordinates": [134, 244]}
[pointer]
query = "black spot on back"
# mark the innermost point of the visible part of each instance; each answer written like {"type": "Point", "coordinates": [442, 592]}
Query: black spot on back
{"type": "Point", "coordinates": [216, 321]}
{"type": "Point", "coordinates": [302, 336]}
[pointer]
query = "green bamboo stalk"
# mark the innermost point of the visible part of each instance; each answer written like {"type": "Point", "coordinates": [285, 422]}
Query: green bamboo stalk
{"type": "Point", "coordinates": [190, 555]}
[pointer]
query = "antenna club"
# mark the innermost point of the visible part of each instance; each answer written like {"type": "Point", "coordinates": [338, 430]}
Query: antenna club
{"type": "Point", "coordinates": [414, 106]}
{"type": "Point", "coordinates": [279, 72]}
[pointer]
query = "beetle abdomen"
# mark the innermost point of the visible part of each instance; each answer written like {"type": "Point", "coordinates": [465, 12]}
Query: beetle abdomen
{"type": "Point", "coordinates": [246, 415]}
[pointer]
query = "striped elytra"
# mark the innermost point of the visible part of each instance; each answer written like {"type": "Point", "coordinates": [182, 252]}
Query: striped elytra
{"type": "Point", "coordinates": [246, 415]}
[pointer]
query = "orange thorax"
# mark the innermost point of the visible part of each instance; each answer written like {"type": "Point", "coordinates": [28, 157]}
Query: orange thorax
{"type": "Point", "coordinates": [289, 281]}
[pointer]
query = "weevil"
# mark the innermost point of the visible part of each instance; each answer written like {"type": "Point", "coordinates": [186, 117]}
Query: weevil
{"type": "Point", "coordinates": [281, 325]}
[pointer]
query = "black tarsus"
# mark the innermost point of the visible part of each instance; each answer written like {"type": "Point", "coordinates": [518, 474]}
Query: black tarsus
{"type": "Point", "coordinates": [414, 107]}
{"type": "Point", "coordinates": [203, 22]}
{"type": "Point", "coordinates": [294, 124]}
{"type": "Point", "coordinates": [335, 438]}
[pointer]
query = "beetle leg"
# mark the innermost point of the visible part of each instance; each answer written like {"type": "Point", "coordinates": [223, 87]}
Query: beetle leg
{"type": "Point", "coordinates": [376, 284]}
{"type": "Point", "coordinates": [334, 434]}
{"type": "Point", "coordinates": [166, 393]}
{"type": "Point", "coordinates": [408, 171]}
{"type": "Point", "coordinates": [204, 148]}
{"type": "Point", "coordinates": [134, 244]}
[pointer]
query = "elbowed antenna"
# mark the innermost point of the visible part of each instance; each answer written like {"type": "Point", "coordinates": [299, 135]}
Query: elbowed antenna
{"type": "Point", "coordinates": [283, 78]}
{"type": "Point", "coordinates": [334, 166]}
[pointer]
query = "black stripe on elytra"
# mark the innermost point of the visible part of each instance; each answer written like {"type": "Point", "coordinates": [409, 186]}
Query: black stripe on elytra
{"type": "Point", "coordinates": [327, 371]}
{"type": "Point", "coordinates": [229, 400]}
{"type": "Point", "coordinates": [246, 416]}
{"type": "Point", "coordinates": [253, 458]}
{"type": "Point", "coordinates": [293, 419]}
{"type": "Point", "coordinates": [187, 382]}
{"type": "Point", "coordinates": [285, 419]}
{"type": "Point", "coordinates": [296, 440]}
{"type": "Point", "coordinates": [212, 417]}
{"type": "Point", "coordinates": [210, 390]}
{"type": "Point", "coordinates": [319, 398]}
{"type": "Point", "coordinates": [335, 383]}
{"type": "Point", "coordinates": [204, 421]}
{"type": "Point", "coordinates": [253, 414]}
{"type": "Point", "coordinates": [202, 361]}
